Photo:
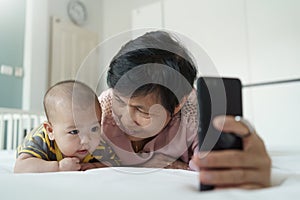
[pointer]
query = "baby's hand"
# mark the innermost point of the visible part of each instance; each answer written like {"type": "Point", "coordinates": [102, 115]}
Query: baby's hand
{"type": "Point", "coordinates": [69, 164]}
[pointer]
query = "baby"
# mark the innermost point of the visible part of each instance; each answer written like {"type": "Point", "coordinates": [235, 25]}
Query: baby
{"type": "Point", "coordinates": [70, 139]}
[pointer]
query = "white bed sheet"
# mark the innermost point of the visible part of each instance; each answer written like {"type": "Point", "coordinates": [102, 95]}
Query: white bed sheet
{"type": "Point", "coordinates": [141, 183]}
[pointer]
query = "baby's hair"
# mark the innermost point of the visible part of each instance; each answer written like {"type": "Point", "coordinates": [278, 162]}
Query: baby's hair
{"type": "Point", "coordinates": [67, 94]}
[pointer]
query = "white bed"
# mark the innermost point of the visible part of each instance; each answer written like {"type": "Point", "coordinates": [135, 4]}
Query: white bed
{"type": "Point", "coordinates": [141, 183]}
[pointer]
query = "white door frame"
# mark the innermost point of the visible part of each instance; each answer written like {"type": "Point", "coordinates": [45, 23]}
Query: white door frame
{"type": "Point", "coordinates": [36, 54]}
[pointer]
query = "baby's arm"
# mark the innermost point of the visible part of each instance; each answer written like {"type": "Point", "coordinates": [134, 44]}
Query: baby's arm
{"type": "Point", "coordinates": [27, 163]}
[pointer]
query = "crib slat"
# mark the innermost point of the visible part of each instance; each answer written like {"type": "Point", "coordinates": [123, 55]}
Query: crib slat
{"type": "Point", "coordinates": [1, 132]}
{"type": "Point", "coordinates": [14, 123]}
{"type": "Point", "coordinates": [9, 131]}
{"type": "Point", "coordinates": [27, 123]}
{"type": "Point", "coordinates": [16, 119]}
{"type": "Point", "coordinates": [21, 131]}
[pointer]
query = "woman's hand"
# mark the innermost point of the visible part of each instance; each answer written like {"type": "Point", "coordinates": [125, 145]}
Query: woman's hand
{"type": "Point", "coordinates": [86, 166]}
{"type": "Point", "coordinates": [177, 164]}
{"type": "Point", "coordinates": [249, 168]}
{"type": "Point", "coordinates": [162, 161]}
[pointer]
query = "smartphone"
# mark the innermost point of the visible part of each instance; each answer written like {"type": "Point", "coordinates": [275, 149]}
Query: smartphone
{"type": "Point", "coordinates": [217, 96]}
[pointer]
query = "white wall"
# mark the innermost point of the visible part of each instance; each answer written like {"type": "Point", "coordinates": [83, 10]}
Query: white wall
{"type": "Point", "coordinates": [37, 40]}
{"type": "Point", "coordinates": [216, 26]}
{"type": "Point", "coordinates": [117, 16]}
{"type": "Point", "coordinates": [274, 46]}
{"type": "Point", "coordinates": [274, 39]}
{"type": "Point", "coordinates": [35, 54]}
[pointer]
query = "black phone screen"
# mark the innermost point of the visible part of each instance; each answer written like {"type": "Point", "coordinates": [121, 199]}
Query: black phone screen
{"type": "Point", "coordinates": [217, 96]}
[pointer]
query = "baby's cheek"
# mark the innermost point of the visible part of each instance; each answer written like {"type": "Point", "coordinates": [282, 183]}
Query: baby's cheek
{"type": "Point", "coordinates": [95, 142]}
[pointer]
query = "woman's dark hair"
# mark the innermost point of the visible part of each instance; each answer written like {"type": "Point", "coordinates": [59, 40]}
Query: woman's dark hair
{"type": "Point", "coordinates": [158, 61]}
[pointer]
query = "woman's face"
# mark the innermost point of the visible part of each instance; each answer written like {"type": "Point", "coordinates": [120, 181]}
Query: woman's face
{"type": "Point", "coordinates": [140, 117]}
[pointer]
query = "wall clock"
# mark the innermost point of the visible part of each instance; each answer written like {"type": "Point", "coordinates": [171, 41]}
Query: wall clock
{"type": "Point", "coordinates": [77, 12]}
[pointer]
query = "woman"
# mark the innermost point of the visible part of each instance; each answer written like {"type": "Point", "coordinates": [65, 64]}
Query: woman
{"type": "Point", "coordinates": [150, 116]}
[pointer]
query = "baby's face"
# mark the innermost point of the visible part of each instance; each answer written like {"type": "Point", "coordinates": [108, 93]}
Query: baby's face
{"type": "Point", "coordinates": [77, 132]}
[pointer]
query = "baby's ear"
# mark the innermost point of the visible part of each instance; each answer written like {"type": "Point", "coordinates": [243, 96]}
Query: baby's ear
{"type": "Point", "coordinates": [49, 129]}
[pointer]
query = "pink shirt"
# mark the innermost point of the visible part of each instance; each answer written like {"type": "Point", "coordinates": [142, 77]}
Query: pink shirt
{"type": "Point", "coordinates": [178, 139]}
